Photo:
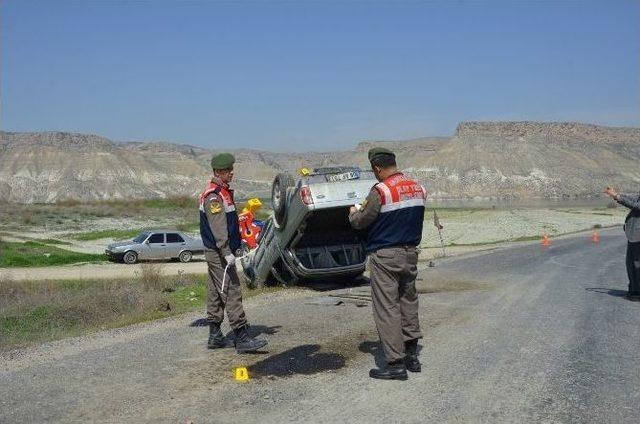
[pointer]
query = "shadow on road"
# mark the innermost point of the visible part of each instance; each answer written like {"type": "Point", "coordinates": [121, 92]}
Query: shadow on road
{"type": "Point", "coordinates": [304, 359]}
{"type": "Point", "coordinates": [610, 292]}
{"type": "Point", "coordinates": [335, 283]}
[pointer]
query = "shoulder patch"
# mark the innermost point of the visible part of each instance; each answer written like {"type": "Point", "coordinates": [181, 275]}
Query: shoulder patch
{"type": "Point", "coordinates": [215, 207]}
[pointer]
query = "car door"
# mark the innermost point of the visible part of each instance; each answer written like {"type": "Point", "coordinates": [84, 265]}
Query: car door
{"type": "Point", "coordinates": [175, 244]}
{"type": "Point", "coordinates": [155, 247]}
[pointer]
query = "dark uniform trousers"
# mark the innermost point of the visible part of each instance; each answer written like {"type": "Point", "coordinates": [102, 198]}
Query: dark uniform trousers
{"type": "Point", "coordinates": [231, 299]}
{"type": "Point", "coordinates": [395, 300]}
{"type": "Point", "coordinates": [633, 267]}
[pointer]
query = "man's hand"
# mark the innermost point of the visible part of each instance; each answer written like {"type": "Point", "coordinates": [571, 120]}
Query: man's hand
{"type": "Point", "coordinates": [611, 192]}
{"type": "Point", "coordinates": [231, 259]}
{"type": "Point", "coordinates": [355, 208]}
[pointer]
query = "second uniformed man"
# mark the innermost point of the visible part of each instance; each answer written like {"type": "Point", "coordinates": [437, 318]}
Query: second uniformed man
{"type": "Point", "coordinates": [221, 237]}
{"type": "Point", "coordinates": [393, 214]}
{"type": "Point", "coordinates": [632, 230]}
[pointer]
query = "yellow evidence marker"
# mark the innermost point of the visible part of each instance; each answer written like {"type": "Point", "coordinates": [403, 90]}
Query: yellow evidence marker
{"type": "Point", "coordinates": [305, 172]}
{"type": "Point", "coordinates": [241, 374]}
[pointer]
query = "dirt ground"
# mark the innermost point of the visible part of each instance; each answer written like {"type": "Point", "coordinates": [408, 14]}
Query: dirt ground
{"type": "Point", "coordinates": [481, 226]}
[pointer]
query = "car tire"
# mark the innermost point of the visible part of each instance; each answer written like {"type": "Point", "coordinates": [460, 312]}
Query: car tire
{"type": "Point", "coordinates": [279, 189]}
{"type": "Point", "coordinates": [185, 256]}
{"type": "Point", "coordinates": [130, 257]}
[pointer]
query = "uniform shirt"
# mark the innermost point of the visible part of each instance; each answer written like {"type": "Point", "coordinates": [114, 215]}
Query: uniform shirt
{"type": "Point", "coordinates": [396, 219]}
{"type": "Point", "coordinates": [630, 201]}
{"type": "Point", "coordinates": [218, 221]}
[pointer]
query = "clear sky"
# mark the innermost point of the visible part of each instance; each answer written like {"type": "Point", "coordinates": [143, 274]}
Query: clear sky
{"type": "Point", "coordinates": [313, 75]}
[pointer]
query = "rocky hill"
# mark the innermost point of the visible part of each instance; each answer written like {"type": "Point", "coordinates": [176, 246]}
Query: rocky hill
{"type": "Point", "coordinates": [497, 160]}
{"type": "Point", "coordinates": [532, 160]}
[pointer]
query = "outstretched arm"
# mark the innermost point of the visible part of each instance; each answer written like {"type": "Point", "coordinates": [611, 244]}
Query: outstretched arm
{"type": "Point", "coordinates": [368, 213]}
{"type": "Point", "coordinates": [631, 202]}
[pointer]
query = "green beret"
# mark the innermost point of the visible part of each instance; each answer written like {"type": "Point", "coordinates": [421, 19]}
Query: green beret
{"type": "Point", "coordinates": [222, 161]}
{"type": "Point", "coordinates": [378, 151]}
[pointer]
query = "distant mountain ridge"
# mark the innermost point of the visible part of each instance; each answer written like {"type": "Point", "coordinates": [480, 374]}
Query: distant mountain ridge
{"type": "Point", "coordinates": [548, 131]}
{"type": "Point", "coordinates": [488, 160]}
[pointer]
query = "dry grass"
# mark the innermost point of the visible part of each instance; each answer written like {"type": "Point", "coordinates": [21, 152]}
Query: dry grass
{"type": "Point", "coordinates": [27, 217]}
{"type": "Point", "coordinates": [70, 214]}
{"type": "Point", "coordinates": [32, 312]}
{"type": "Point", "coordinates": [68, 202]}
{"type": "Point", "coordinates": [9, 288]}
{"type": "Point", "coordinates": [82, 300]}
{"type": "Point", "coordinates": [150, 276]}
{"type": "Point", "coordinates": [35, 311]}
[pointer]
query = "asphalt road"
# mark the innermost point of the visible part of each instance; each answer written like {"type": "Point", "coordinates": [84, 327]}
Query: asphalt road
{"type": "Point", "coordinates": [516, 335]}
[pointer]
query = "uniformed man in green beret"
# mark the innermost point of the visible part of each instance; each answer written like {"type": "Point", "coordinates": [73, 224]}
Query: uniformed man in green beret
{"type": "Point", "coordinates": [221, 238]}
{"type": "Point", "coordinates": [393, 214]}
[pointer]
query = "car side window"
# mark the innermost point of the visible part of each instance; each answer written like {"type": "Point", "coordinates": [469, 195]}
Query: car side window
{"type": "Point", "coordinates": [174, 238]}
{"type": "Point", "coordinates": [157, 238]}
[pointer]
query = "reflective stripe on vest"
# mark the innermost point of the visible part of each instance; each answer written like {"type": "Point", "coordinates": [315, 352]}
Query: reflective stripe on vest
{"type": "Point", "coordinates": [233, 229]}
{"type": "Point", "coordinates": [401, 213]}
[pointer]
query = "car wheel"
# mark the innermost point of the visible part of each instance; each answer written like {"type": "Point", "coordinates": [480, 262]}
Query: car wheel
{"type": "Point", "coordinates": [279, 197]}
{"type": "Point", "coordinates": [185, 256]}
{"type": "Point", "coordinates": [130, 257]}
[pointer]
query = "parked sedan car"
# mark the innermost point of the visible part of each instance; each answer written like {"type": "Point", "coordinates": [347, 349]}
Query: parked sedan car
{"type": "Point", "coordinates": [309, 236]}
{"type": "Point", "coordinates": [154, 245]}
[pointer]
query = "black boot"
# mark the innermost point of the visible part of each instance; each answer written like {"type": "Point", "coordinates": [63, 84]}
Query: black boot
{"type": "Point", "coordinates": [411, 360]}
{"type": "Point", "coordinates": [216, 338]}
{"type": "Point", "coordinates": [244, 343]}
{"type": "Point", "coordinates": [393, 371]}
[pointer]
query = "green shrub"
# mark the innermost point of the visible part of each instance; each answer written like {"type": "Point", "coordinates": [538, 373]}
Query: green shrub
{"type": "Point", "coordinates": [33, 253]}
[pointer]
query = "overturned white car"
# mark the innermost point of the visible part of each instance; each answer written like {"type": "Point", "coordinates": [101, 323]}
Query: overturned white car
{"type": "Point", "coordinates": [309, 236]}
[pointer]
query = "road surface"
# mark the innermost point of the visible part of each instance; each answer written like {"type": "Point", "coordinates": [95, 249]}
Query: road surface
{"type": "Point", "coordinates": [515, 335]}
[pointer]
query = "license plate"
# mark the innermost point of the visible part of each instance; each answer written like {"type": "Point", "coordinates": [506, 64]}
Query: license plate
{"type": "Point", "coordinates": [353, 175]}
